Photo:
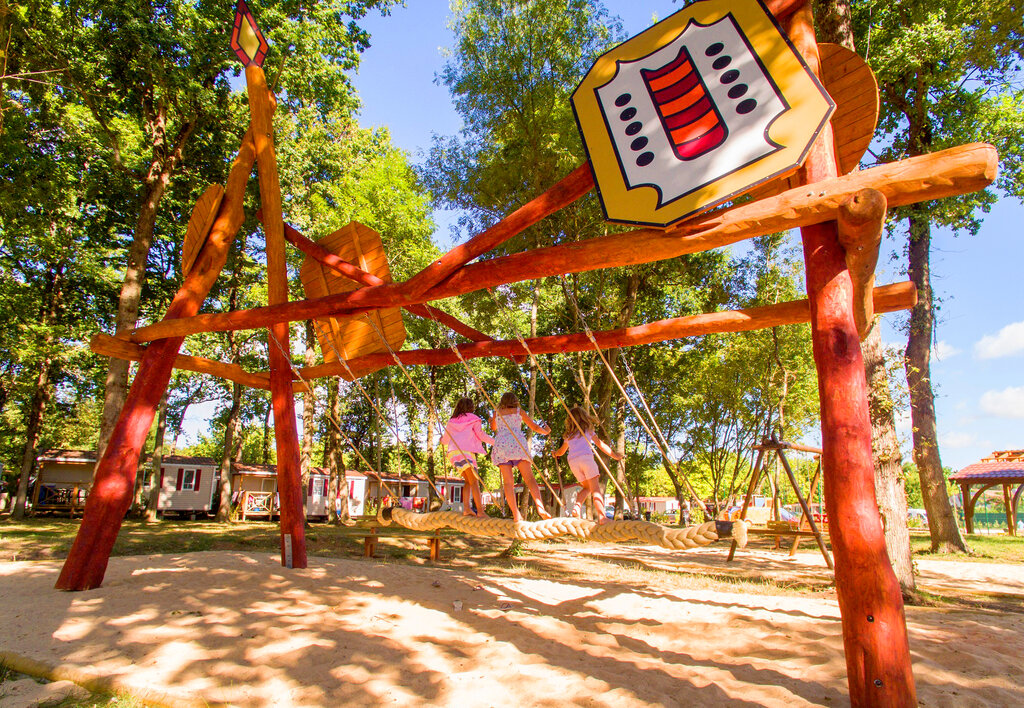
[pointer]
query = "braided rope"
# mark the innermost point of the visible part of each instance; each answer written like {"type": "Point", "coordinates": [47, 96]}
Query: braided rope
{"type": "Point", "coordinates": [676, 539]}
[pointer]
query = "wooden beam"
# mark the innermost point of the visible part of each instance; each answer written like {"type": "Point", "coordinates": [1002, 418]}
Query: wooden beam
{"type": "Point", "coordinates": [114, 477]}
{"type": "Point", "coordinates": [105, 345]}
{"type": "Point", "coordinates": [861, 219]}
{"type": "Point", "coordinates": [870, 603]}
{"type": "Point", "coordinates": [350, 271]}
{"type": "Point", "coordinates": [286, 435]}
{"type": "Point", "coordinates": [955, 171]}
{"type": "Point", "coordinates": [565, 192]}
{"type": "Point", "coordinates": [888, 298]}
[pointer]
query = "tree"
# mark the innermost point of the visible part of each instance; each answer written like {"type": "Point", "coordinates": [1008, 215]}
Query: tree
{"type": "Point", "coordinates": [948, 74]}
{"type": "Point", "coordinates": [150, 77]}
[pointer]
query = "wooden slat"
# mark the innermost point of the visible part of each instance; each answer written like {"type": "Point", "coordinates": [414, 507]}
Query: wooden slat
{"type": "Point", "coordinates": [362, 247]}
{"type": "Point", "coordinates": [852, 85]}
{"type": "Point", "coordinates": [199, 225]}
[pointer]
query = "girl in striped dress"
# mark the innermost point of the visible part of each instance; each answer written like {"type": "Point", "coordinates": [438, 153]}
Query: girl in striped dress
{"type": "Point", "coordinates": [580, 442]}
{"type": "Point", "coordinates": [511, 449]}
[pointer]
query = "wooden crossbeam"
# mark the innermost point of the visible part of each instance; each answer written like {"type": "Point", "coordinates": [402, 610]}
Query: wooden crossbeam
{"type": "Point", "coordinates": [565, 192]}
{"type": "Point", "coordinates": [105, 345]}
{"type": "Point", "coordinates": [958, 170]}
{"type": "Point", "coordinates": [888, 298]}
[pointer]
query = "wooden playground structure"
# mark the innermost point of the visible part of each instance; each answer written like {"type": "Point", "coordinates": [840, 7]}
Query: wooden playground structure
{"type": "Point", "coordinates": [839, 210]}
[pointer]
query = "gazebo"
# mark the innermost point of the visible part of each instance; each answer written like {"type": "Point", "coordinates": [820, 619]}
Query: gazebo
{"type": "Point", "coordinates": [1005, 467]}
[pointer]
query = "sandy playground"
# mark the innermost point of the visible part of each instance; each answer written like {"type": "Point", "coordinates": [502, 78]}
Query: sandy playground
{"type": "Point", "coordinates": [236, 628]}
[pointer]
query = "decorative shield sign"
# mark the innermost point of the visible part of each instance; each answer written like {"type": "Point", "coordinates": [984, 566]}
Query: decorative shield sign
{"type": "Point", "coordinates": [700, 108]}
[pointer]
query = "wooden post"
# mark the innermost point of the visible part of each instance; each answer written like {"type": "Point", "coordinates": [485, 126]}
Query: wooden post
{"type": "Point", "coordinates": [965, 494]}
{"type": "Point", "coordinates": [755, 478]}
{"type": "Point", "coordinates": [114, 479]}
{"type": "Point", "coordinates": [286, 434]}
{"type": "Point", "coordinates": [1011, 523]}
{"type": "Point", "coordinates": [874, 624]}
{"type": "Point", "coordinates": [806, 510]}
{"type": "Point", "coordinates": [804, 515]}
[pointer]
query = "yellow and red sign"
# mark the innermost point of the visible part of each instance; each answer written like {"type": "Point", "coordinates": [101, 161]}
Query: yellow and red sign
{"type": "Point", "coordinates": [696, 110]}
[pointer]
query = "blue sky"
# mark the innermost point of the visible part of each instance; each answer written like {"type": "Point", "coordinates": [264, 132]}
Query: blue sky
{"type": "Point", "coordinates": [976, 369]}
{"type": "Point", "coordinates": [980, 334]}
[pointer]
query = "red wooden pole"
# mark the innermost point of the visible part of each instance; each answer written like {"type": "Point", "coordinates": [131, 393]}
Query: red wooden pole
{"type": "Point", "coordinates": [565, 192]}
{"type": "Point", "coordinates": [874, 625]}
{"type": "Point", "coordinates": [114, 479]}
{"type": "Point", "coordinates": [286, 434]}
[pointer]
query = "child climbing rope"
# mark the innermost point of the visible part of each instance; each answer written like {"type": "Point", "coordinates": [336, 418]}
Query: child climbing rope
{"type": "Point", "coordinates": [580, 441]}
{"type": "Point", "coordinates": [464, 437]}
{"type": "Point", "coordinates": [512, 450]}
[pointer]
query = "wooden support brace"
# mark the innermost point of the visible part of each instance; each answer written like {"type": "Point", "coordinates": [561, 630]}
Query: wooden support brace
{"type": "Point", "coordinates": [565, 192]}
{"type": "Point", "coordinates": [958, 170]}
{"type": "Point", "coordinates": [861, 219]}
{"type": "Point", "coordinates": [114, 477]}
{"type": "Point", "coordinates": [105, 345]}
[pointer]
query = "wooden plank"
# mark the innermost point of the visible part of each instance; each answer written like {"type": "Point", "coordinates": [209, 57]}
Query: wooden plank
{"type": "Point", "coordinates": [958, 170]}
{"type": "Point", "coordinates": [339, 263]}
{"type": "Point", "coordinates": [852, 85]}
{"type": "Point", "coordinates": [871, 605]}
{"type": "Point", "coordinates": [199, 225]}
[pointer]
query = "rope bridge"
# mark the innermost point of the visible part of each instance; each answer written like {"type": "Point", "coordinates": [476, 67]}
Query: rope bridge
{"type": "Point", "coordinates": [676, 539]}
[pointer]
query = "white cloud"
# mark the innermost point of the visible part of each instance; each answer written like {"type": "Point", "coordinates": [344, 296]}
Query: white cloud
{"type": "Point", "coordinates": [944, 350]}
{"type": "Point", "coordinates": [1009, 341]}
{"type": "Point", "coordinates": [1008, 403]}
{"type": "Point", "coordinates": [958, 440]}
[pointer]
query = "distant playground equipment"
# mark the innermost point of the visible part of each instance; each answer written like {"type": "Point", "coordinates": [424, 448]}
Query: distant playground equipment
{"type": "Point", "coordinates": [724, 98]}
{"type": "Point", "coordinates": [773, 524]}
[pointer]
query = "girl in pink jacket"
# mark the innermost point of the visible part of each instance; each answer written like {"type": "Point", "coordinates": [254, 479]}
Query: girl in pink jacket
{"type": "Point", "coordinates": [464, 437]}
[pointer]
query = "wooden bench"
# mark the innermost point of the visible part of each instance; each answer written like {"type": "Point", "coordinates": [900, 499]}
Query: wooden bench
{"type": "Point", "coordinates": [371, 539]}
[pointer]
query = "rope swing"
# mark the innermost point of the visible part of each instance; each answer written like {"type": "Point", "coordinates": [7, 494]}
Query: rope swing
{"type": "Point", "coordinates": [676, 539]}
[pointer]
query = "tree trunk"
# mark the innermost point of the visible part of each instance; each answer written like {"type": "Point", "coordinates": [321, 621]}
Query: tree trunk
{"type": "Point", "coordinates": [37, 409]}
{"type": "Point", "coordinates": [942, 525]}
{"type": "Point", "coordinates": [266, 432]}
{"type": "Point", "coordinates": [153, 502]}
{"type": "Point", "coordinates": [224, 490]}
{"type": "Point", "coordinates": [128, 301]}
{"type": "Point", "coordinates": [338, 487]}
{"type": "Point", "coordinates": [308, 414]}
{"type": "Point", "coordinates": [53, 295]}
{"type": "Point", "coordinates": [889, 486]}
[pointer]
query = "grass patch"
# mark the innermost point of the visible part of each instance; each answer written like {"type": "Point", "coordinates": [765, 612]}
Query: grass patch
{"type": "Point", "coordinates": [986, 549]}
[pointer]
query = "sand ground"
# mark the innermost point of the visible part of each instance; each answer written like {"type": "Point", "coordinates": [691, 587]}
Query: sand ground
{"type": "Point", "coordinates": [237, 628]}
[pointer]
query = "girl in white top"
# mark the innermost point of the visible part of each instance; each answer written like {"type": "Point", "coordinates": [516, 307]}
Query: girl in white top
{"type": "Point", "coordinates": [511, 449]}
{"type": "Point", "coordinates": [580, 442]}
